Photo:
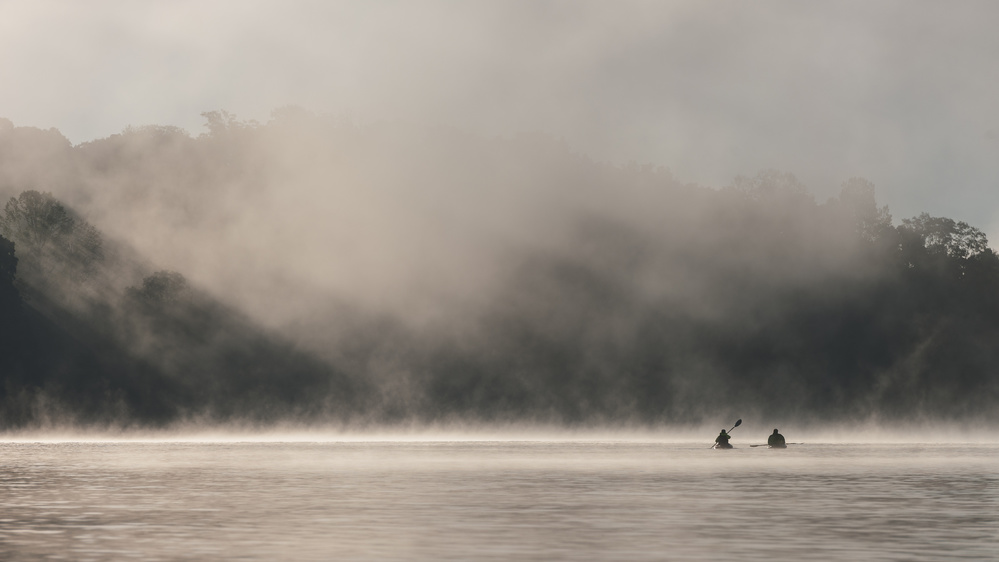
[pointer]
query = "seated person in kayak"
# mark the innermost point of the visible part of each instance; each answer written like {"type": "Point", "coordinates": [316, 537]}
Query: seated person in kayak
{"type": "Point", "coordinates": [722, 440]}
{"type": "Point", "coordinates": [776, 440]}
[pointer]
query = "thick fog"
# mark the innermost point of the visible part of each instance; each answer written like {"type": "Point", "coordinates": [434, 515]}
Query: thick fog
{"type": "Point", "coordinates": [311, 269]}
{"type": "Point", "coordinates": [897, 92]}
{"type": "Point", "coordinates": [537, 212]}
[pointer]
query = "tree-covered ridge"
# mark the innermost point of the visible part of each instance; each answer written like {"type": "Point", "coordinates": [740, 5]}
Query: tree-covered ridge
{"type": "Point", "coordinates": [156, 353]}
{"type": "Point", "coordinates": [564, 289]}
{"type": "Point", "coordinates": [78, 349]}
{"type": "Point", "coordinates": [59, 244]}
{"type": "Point", "coordinates": [902, 323]}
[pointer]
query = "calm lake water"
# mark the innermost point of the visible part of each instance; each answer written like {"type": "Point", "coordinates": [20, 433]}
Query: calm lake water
{"type": "Point", "coordinates": [496, 500]}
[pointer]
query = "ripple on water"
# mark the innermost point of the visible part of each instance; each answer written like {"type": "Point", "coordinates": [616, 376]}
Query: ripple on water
{"type": "Point", "coordinates": [496, 501]}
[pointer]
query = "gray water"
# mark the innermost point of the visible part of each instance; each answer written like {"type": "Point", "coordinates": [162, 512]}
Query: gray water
{"type": "Point", "coordinates": [496, 500]}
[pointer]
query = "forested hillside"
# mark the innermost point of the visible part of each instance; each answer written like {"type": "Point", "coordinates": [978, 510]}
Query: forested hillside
{"type": "Point", "coordinates": [313, 270]}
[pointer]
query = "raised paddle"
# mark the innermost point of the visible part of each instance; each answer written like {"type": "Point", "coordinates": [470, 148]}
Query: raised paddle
{"type": "Point", "coordinates": [738, 422]}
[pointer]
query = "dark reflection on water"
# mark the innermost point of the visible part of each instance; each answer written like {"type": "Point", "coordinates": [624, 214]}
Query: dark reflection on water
{"type": "Point", "coordinates": [496, 501]}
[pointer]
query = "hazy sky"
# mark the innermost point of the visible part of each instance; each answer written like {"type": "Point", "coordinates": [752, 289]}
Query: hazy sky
{"type": "Point", "coordinates": [903, 93]}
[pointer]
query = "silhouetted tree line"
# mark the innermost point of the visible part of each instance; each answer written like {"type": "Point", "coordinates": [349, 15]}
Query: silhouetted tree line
{"type": "Point", "coordinates": [750, 298]}
{"type": "Point", "coordinates": [904, 322]}
{"type": "Point", "coordinates": [90, 334]}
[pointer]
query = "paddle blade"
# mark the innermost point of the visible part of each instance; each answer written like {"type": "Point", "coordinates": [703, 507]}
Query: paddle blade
{"type": "Point", "coordinates": [737, 423]}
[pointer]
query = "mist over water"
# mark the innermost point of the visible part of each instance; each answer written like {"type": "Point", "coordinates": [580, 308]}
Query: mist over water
{"type": "Point", "coordinates": [493, 500]}
{"type": "Point", "coordinates": [482, 281]}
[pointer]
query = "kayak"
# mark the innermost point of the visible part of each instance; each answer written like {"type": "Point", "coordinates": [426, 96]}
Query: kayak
{"type": "Point", "coordinates": [776, 446]}
{"type": "Point", "coordinates": [723, 446]}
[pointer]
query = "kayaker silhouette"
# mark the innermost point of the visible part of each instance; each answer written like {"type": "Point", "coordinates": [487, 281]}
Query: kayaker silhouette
{"type": "Point", "coordinates": [721, 441]}
{"type": "Point", "coordinates": [776, 441]}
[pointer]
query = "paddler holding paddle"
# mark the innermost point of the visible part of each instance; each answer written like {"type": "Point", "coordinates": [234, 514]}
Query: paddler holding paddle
{"type": "Point", "coordinates": [776, 441]}
{"type": "Point", "coordinates": [721, 442]}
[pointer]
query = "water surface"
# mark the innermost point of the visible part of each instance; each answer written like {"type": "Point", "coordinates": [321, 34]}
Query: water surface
{"type": "Point", "coordinates": [497, 500]}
